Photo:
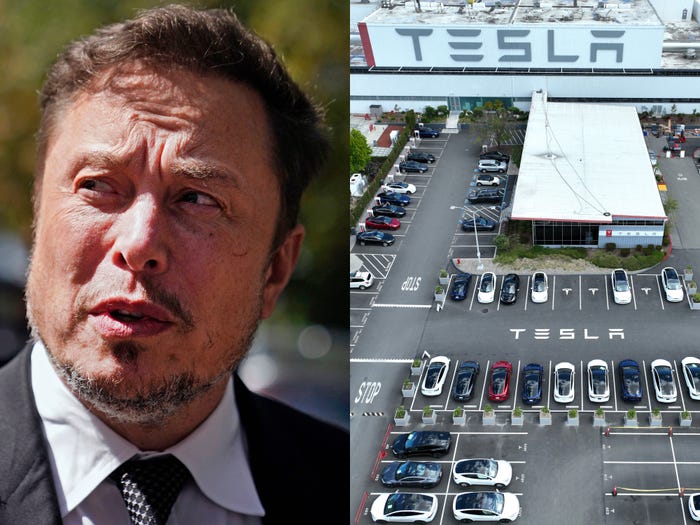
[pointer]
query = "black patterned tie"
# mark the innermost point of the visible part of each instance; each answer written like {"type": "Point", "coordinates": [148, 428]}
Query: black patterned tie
{"type": "Point", "coordinates": [150, 487]}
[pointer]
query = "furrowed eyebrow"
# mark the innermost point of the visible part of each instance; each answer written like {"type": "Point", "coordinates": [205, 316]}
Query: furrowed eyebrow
{"type": "Point", "coordinates": [203, 171]}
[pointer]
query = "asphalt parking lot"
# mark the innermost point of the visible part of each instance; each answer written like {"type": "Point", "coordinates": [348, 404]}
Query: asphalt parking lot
{"type": "Point", "coordinates": [561, 472]}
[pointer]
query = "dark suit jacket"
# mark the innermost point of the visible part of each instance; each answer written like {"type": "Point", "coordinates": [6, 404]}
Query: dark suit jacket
{"type": "Point", "coordinates": [300, 465]}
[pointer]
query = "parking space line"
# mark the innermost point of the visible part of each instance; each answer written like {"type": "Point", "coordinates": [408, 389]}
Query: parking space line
{"type": "Point", "coordinates": [634, 296]}
{"type": "Point", "coordinates": [527, 295]}
{"type": "Point", "coordinates": [549, 382]}
{"type": "Point", "coordinates": [554, 288]}
{"type": "Point", "coordinates": [675, 468]}
{"type": "Point", "coordinates": [486, 379]}
{"type": "Point", "coordinates": [612, 380]}
{"type": "Point", "coordinates": [517, 380]}
{"type": "Point", "coordinates": [582, 379]}
{"type": "Point", "coordinates": [658, 288]}
{"type": "Point", "coordinates": [580, 295]}
{"type": "Point", "coordinates": [679, 386]}
{"type": "Point", "coordinates": [646, 382]}
{"type": "Point", "coordinates": [607, 297]}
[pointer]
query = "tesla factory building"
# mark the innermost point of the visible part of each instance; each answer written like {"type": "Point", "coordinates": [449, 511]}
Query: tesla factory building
{"type": "Point", "coordinates": [410, 54]}
{"type": "Point", "coordinates": [575, 188]}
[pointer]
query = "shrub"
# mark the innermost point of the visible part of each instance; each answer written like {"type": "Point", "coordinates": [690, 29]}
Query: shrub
{"type": "Point", "coordinates": [638, 248]}
{"type": "Point", "coordinates": [443, 273]}
{"type": "Point", "coordinates": [488, 408]}
{"type": "Point", "coordinates": [624, 252]}
{"type": "Point", "coordinates": [427, 410]}
{"type": "Point", "coordinates": [544, 410]}
{"type": "Point", "coordinates": [631, 413]}
{"type": "Point", "coordinates": [599, 412]}
{"type": "Point", "coordinates": [407, 384]}
{"type": "Point", "coordinates": [517, 411]}
{"type": "Point", "coordinates": [400, 411]}
{"type": "Point", "coordinates": [656, 411]}
{"type": "Point", "coordinates": [610, 246]}
{"type": "Point", "coordinates": [573, 413]}
{"type": "Point", "coordinates": [458, 411]}
{"type": "Point", "coordinates": [685, 415]}
{"type": "Point", "coordinates": [439, 289]}
{"type": "Point", "coordinates": [696, 298]}
{"type": "Point", "coordinates": [501, 242]}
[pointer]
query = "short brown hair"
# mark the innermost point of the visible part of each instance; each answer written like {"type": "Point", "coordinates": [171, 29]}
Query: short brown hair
{"type": "Point", "coordinates": [211, 41]}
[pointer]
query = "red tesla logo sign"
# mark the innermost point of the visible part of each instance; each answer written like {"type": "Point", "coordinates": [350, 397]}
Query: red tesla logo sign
{"type": "Point", "coordinates": [608, 233]}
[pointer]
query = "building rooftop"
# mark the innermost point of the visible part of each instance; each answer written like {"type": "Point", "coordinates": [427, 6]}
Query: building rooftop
{"type": "Point", "coordinates": [678, 36]}
{"type": "Point", "coordinates": [458, 12]}
{"type": "Point", "coordinates": [585, 163]}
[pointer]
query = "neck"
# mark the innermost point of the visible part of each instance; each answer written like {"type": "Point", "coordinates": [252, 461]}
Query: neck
{"type": "Point", "coordinates": [164, 434]}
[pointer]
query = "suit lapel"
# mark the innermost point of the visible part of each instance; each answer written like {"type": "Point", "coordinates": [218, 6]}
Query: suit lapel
{"type": "Point", "coordinates": [27, 493]}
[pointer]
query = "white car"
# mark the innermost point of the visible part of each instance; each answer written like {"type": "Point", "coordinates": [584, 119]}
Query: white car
{"type": "Point", "coordinates": [482, 471]}
{"type": "Point", "coordinates": [598, 381]}
{"type": "Point", "coordinates": [503, 507]}
{"type": "Point", "coordinates": [435, 376]}
{"type": "Point", "coordinates": [491, 165]}
{"type": "Point", "coordinates": [694, 506]}
{"type": "Point", "coordinates": [487, 288]}
{"type": "Point", "coordinates": [539, 287]}
{"type": "Point", "coordinates": [361, 280]}
{"type": "Point", "coordinates": [401, 187]}
{"type": "Point", "coordinates": [672, 285]}
{"type": "Point", "coordinates": [564, 374]}
{"type": "Point", "coordinates": [484, 179]}
{"type": "Point", "coordinates": [662, 378]}
{"type": "Point", "coordinates": [691, 373]}
{"type": "Point", "coordinates": [622, 292]}
{"type": "Point", "coordinates": [404, 507]}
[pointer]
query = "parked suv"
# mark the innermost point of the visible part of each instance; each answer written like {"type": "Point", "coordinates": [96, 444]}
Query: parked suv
{"type": "Point", "coordinates": [492, 195]}
{"type": "Point", "coordinates": [492, 165]}
{"type": "Point", "coordinates": [361, 280]}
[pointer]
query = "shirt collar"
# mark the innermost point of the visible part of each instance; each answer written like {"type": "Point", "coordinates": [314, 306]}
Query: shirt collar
{"type": "Point", "coordinates": [84, 451]}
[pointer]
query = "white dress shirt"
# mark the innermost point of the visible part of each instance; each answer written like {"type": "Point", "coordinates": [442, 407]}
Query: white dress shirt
{"type": "Point", "coordinates": [83, 452]}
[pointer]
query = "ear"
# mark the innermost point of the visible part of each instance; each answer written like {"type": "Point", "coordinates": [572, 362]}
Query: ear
{"type": "Point", "coordinates": [280, 269]}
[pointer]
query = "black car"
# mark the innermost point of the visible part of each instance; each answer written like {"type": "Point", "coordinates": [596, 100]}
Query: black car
{"type": "Point", "coordinates": [479, 223]}
{"type": "Point", "coordinates": [510, 287]}
{"type": "Point", "coordinates": [388, 210]}
{"type": "Point", "coordinates": [495, 155]}
{"type": "Point", "coordinates": [374, 237]}
{"type": "Point", "coordinates": [463, 388]}
{"type": "Point", "coordinates": [488, 195]}
{"type": "Point", "coordinates": [411, 474]}
{"type": "Point", "coordinates": [391, 197]}
{"type": "Point", "coordinates": [460, 285]}
{"type": "Point", "coordinates": [412, 166]}
{"type": "Point", "coordinates": [421, 156]}
{"type": "Point", "coordinates": [425, 132]}
{"type": "Point", "coordinates": [422, 443]}
{"type": "Point", "coordinates": [630, 382]}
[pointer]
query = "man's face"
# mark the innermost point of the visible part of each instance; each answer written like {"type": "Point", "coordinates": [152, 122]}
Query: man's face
{"type": "Point", "coordinates": [157, 211]}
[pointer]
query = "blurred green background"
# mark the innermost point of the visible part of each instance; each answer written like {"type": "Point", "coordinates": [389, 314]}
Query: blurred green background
{"type": "Point", "coordinates": [301, 353]}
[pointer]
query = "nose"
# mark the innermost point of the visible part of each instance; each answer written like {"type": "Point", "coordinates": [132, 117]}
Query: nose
{"type": "Point", "coordinates": [140, 245]}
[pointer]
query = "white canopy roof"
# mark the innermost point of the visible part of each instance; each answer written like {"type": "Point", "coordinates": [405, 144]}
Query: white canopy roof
{"type": "Point", "coordinates": [585, 163]}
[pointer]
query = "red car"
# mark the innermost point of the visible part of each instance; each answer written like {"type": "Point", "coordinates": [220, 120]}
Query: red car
{"type": "Point", "coordinates": [499, 385]}
{"type": "Point", "coordinates": [382, 223]}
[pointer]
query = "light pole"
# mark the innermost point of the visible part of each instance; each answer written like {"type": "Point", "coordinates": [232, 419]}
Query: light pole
{"type": "Point", "coordinates": [479, 265]}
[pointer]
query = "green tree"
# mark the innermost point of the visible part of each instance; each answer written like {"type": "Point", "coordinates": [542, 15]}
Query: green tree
{"type": "Point", "coordinates": [360, 152]}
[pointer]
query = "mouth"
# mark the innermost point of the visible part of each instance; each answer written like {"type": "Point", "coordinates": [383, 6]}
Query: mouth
{"type": "Point", "coordinates": [118, 319]}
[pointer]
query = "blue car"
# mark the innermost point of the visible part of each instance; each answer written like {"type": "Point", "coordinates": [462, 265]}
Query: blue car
{"type": "Point", "coordinates": [460, 286]}
{"type": "Point", "coordinates": [374, 237]}
{"type": "Point", "coordinates": [391, 197]}
{"type": "Point", "coordinates": [630, 380]}
{"type": "Point", "coordinates": [532, 383]}
{"type": "Point", "coordinates": [424, 132]}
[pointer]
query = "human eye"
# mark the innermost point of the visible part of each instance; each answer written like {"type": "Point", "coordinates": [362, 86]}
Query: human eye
{"type": "Point", "coordinates": [199, 198]}
{"type": "Point", "coordinates": [94, 185]}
